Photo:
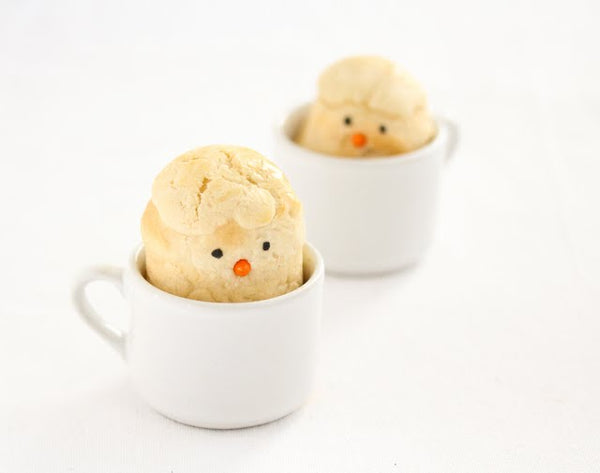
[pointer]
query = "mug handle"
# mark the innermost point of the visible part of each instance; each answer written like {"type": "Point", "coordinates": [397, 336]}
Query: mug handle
{"type": "Point", "coordinates": [453, 137]}
{"type": "Point", "coordinates": [113, 335]}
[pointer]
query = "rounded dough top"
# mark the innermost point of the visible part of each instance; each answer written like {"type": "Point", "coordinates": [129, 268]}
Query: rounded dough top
{"type": "Point", "coordinates": [207, 187]}
{"type": "Point", "coordinates": [373, 82]}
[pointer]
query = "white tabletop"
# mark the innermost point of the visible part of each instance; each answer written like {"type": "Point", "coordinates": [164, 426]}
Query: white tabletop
{"type": "Point", "coordinates": [485, 358]}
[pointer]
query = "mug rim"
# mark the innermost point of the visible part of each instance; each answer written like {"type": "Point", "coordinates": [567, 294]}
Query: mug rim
{"type": "Point", "coordinates": [316, 276]}
{"type": "Point", "coordinates": [410, 156]}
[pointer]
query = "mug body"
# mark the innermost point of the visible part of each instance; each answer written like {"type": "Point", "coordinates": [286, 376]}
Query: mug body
{"type": "Point", "coordinates": [366, 215]}
{"type": "Point", "coordinates": [223, 365]}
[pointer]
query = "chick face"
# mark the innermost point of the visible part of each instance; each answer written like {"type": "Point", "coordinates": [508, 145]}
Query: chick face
{"type": "Point", "coordinates": [366, 107]}
{"type": "Point", "coordinates": [237, 264]}
{"type": "Point", "coordinates": [355, 131]}
{"type": "Point", "coordinates": [223, 226]}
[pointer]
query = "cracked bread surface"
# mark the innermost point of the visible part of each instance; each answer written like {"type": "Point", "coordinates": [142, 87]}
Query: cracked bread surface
{"type": "Point", "coordinates": [373, 93]}
{"type": "Point", "coordinates": [226, 198]}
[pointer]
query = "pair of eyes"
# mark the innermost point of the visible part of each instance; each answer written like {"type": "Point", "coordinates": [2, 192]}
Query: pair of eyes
{"type": "Point", "coordinates": [218, 253]}
{"type": "Point", "coordinates": [348, 122]}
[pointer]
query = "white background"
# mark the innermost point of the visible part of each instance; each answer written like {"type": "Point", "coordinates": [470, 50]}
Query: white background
{"type": "Point", "coordinates": [483, 359]}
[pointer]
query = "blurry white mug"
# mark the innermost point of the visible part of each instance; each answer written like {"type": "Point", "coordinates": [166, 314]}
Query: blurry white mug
{"type": "Point", "coordinates": [366, 215]}
{"type": "Point", "coordinates": [212, 364]}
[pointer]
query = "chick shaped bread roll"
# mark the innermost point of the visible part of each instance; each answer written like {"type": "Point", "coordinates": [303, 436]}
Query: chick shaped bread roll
{"type": "Point", "coordinates": [366, 106]}
{"type": "Point", "coordinates": [223, 225]}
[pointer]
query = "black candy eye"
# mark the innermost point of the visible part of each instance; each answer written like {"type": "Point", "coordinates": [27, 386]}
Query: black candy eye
{"type": "Point", "coordinates": [348, 120]}
{"type": "Point", "coordinates": [266, 246]}
{"type": "Point", "coordinates": [382, 129]}
{"type": "Point", "coordinates": [218, 253]}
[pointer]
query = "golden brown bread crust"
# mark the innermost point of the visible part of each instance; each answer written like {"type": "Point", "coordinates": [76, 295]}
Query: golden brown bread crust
{"type": "Point", "coordinates": [373, 93]}
{"type": "Point", "coordinates": [231, 199]}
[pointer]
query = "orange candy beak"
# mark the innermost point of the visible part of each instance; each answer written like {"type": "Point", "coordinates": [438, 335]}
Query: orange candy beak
{"type": "Point", "coordinates": [242, 267]}
{"type": "Point", "coordinates": [359, 140]}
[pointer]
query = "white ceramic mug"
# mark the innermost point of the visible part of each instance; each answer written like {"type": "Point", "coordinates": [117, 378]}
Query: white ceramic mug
{"type": "Point", "coordinates": [209, 364]}
{"type": "Point", "coordinates": [366, 215]}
